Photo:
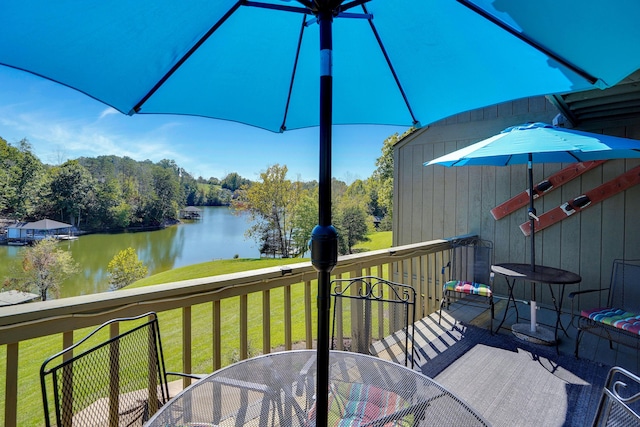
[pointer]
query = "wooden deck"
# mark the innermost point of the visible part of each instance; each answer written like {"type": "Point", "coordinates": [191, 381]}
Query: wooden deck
{"type": "Point", "coordinates": [429, 331]}
{"type": "Point", "coordinates": [508, 380]}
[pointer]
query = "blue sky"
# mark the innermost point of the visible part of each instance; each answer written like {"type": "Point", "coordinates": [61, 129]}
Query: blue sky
{"type": "Point", "coordinates": [62, 124]}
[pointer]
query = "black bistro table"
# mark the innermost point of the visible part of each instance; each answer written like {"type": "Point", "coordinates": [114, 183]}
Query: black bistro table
{"type": "Point", "coordinates": [278, 389]}
{"type": "Point", "coordinates": [550, 276]}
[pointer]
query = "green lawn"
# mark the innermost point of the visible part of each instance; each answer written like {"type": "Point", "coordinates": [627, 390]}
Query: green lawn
{"type": "Point", "coordinates": [212, 268]}
{"type": "Point", "coordinates": [34, 352]}
{"type": "Point", "coordinates": [377, 240]}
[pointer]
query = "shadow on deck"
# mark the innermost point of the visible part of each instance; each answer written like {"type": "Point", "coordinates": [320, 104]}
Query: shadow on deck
{"type": "Point", "coordinates": [508, 380]}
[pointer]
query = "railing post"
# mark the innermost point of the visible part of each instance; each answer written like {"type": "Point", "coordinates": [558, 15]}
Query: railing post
{"type": "Point", "coordinates": [67, 375]}
{"type": "Point", "coordinates": [186, 344]}
{"type": "Point", "coordinates": [11, 386]}
{"type": "Point", "coordinates": [287, 317]}
{"type": "Point", "coordinates": [216, 328]}
{"type": "Point", "coordinates": [266, 322]}
{"type": "Point", "coordinates": [244, 327]}
{"type": "Point", "coordinates": [114, 377]}
{"type": "Point", "coordinates": [308, 314]}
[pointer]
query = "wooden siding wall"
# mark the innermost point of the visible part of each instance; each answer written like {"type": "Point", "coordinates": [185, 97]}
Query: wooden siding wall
{"type": "Point", "coordinates": [431, 202]}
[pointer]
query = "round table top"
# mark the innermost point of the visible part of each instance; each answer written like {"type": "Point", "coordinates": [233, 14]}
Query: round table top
{"type": "Point", "coordinates": [279, 389]}
{"type": "Point", "coordinates": [542, 274]}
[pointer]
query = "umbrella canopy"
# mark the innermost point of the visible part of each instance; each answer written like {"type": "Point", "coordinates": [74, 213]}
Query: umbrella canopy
{"type": "Point", "coordinates": [540, 143]}
{"type": "Point", "coordinates": [277, 64]}
{"type": "Point", "coordinates": [393, 62]}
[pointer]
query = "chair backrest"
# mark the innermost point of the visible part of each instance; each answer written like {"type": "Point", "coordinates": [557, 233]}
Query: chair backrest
{"type": "Point", "coordinates": [367, 309]}
{"type": "Point", "coordinates": [115, 376]}
{"type": "Point", "coordinates": [471, 260]}
{"type": "Point", "coordinates": [624, 291]}
{"type": "Point", "coordinates": [620, 400]}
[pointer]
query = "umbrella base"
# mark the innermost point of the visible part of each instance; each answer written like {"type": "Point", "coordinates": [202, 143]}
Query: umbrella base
{"type": "Point", "coordinates": [541, 335]}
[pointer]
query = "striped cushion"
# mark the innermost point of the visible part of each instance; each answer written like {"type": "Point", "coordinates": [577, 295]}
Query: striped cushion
{"type": "Point", "coordinates": [355, 404]}
{"type": "Point", "coordinates": [616, 317]}
{"type": "Point", "coordinates": [471, 288]}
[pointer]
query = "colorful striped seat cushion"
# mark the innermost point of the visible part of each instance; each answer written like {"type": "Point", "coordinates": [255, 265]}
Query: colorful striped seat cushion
{"type": "Point", "coordinates": [356, 404]}
{"type": "Point", "coordinates": [471, 288]}
{"type": "Point", "coordinates": [616, 317]}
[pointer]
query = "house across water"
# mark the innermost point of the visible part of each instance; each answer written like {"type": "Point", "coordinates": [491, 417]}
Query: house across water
{"type": "Point", "coordinates": [27, 232]}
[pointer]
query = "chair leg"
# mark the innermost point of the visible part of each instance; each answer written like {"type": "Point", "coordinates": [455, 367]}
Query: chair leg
{"type": "Point", "coordinates": [578, 336]}
{"type": "Point", "coordinates": [443, 301]}
{"type": "Point", "coordinates": [492, 315]}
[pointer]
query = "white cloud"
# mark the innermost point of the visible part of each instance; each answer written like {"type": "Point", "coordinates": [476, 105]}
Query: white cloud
{"type": "Point", "coordinates": [51, 135]}
{"type": "Point", "coordinates": [108, 112]}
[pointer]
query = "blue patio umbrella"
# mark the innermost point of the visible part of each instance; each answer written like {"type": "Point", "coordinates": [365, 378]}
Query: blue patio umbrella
{"type": "Point", "coordinates": [539, 143]}
{"type": "Point", "coordinates": [280, 65]}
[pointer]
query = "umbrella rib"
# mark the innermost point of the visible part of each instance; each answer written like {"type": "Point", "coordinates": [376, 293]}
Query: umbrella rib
{"type": "Point", "coordinates": [277, 6]}
{"type": "Point", "coordinates": [351, 4]}
{"type": "Point", "coordinates": [186, 56]}
{"type": "Point", "coordinates": [283, 126]}
{"type": "Point", "coordinates": [393, 71]}
{"type": "Point", "coordinates": [591, 79]}
{"type": "Point", "coordinates": [574, 156]}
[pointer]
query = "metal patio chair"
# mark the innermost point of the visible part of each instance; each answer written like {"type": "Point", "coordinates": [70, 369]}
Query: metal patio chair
{"type": "Point", "coordinates": [377, 309]}
{"type": "Point", "coordinates": [613, 312]}
{"type": "Point", "coordinates": [620, 401]}
{"type": "Point", "coordinates": [114, 376]}
{"type": "Point", "coordinates": [469, 277]}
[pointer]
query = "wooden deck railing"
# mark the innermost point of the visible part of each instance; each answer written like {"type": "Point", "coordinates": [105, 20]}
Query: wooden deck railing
{"type": "Point", "coordinates": [418, 265]}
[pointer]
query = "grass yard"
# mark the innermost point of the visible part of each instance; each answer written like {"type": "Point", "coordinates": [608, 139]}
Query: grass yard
{"type": "Point", "coordinates": [34, 352]}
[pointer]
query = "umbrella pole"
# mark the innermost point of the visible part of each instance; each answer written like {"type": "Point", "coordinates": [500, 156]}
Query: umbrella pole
{"type": "Point", "coordinates": [532, 219]}
{"type": "Point", "coordinates": [324, 238]}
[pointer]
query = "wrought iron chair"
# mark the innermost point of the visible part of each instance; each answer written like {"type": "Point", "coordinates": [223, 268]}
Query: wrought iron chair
{"type": "Point", "coordinates": [469, 271]}
{"type": "Point", "coordinates": [114, 376]}
{"type": "Point", "coordinates": [620, 401]}
{"type": "Point", "coordinates": [614, 313]}
{"type": "Point", "coordinates": [393, 316]}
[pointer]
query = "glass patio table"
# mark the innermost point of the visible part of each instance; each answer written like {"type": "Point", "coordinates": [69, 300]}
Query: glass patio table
{"type": "Point", "coordinates": [278, 389]}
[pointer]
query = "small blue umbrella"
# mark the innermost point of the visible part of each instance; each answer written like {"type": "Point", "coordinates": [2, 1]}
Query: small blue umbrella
{"type": "Point", "coordinates": [539, 143]}
{"type": "Point", "coordinates": [280, 65]}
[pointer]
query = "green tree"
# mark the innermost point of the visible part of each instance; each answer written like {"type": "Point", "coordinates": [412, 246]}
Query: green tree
{"type": "Point", "coordinates": [217, 196]}
{"type": "Point", "coordinates": [271, 204]}
{"type": "Point", "coordinates": [125, 268]}
{"type": "Point", "coordinates": [6, 190]}
{"type": "Point", "coordinates": [71, 190]}
{"type": "Point", "coordinates": [20, 180]}
{"type": "Point", "coordinates": [352, 228]}
{"type": "Point", "coordinates": [381, 182]}
{"type": "Point", "coordinates": [166, 199]}
{"type": "Point", "coordinates": [44, 268]}
{"type": "Point", "coordinates": [305, 218]}
{"type": "Point", "coordinates": [233, 182]}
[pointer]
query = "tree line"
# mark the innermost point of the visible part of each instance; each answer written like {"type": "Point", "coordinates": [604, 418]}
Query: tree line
{"type": "Point", "coordinates": [103, 193]}
{"type": "Point", "coordinates": [117, 193]}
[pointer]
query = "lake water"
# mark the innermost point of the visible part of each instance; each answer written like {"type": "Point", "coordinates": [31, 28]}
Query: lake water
{"type": "Point", "coordinates": [218, 235]}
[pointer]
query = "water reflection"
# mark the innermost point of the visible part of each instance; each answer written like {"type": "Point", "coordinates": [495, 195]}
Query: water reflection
{"type": "Point", "coordinates": [218, 235]}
